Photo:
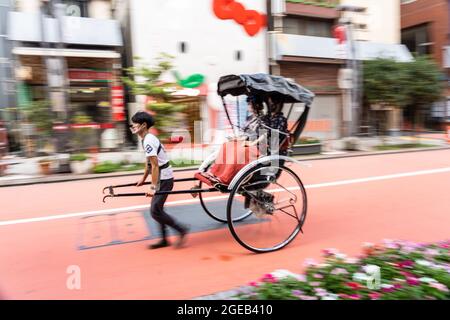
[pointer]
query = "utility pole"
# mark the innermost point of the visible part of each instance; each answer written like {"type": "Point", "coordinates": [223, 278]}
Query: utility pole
{"type": "Point", "coordinates": [354, 65]}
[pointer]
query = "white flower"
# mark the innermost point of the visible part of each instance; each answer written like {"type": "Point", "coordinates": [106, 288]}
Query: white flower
{"type": "Point", "coordinates": [439, 286]}
{"type": "Point", "coordinates": [427, 280]}
{"type": "Point", "coordinates": [360, 277]}
{"type": "Point", "coordinates": [341, 256]}
{"type": "Point", "coordinates": [281, 274]}
{"type": "Point", "coordinates": [387, 286]}
{"type": "Point", "coordinates": [331, 296]}
{"type": "Point", "coordinates": [432, 252]}
{"type": "Point", "coordinates": [424, 263]}
{"type": "Point", "coordinates": [351, 260]}
{"type": "Point", "coordinates": [371, 269]}
{"type": "Point", "coordinates": [368, 245]}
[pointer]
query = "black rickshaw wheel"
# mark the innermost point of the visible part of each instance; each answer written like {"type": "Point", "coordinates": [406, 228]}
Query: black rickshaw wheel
{"type": "Point", "coordinates": [219, 216]}
{"type": "Point", "coordinates": [268, 232]}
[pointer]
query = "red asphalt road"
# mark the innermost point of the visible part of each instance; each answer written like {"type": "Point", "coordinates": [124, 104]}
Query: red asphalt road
{"type": "Point", "coordinates": [34, 256]}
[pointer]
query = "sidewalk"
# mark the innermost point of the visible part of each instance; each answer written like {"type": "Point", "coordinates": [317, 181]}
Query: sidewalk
{"type": "Point", "coordinates": [26, 171]}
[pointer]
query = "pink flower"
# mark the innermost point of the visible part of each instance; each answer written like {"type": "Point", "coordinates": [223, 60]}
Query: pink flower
{"type": "Point", "coordinates": [355, 297]}
{"type": "Point", "coordinates": [315, 284]}
{"type": "Point", "coordinates": [253, 284]}
{"type": "Point", "coordinates": [388, 289]}
{"type": "Point", "coordinates": [308, 298]}
{"type": "Point", "coordinates": [330, 252]}
{"type": "Point", "coordinates": [310, 263]}
{"type": "Point", "coordinates": [354, 285]}
{"type": "Point", "coordinates": [297, 293]}
{"type": "Point", "coordinates": [406, 274]}
{"type": "Point", "coordinates": [374, 296]}
{"type": "Point", "coordinates": [269, 278]}
{"type": "Point", "coordinates": [339, 271]}
{"type": "Point", "coordinates": [412, 281]}
{"type": "Point", "coordinates": [318, 276]}
{"type": "Point", "coordinates": [405, 264]}
{"type": "Point", "coordinates": [397, 286]}
{"type": "Point", "coordinates": [344, 296]}
{"type": "Point", "coordinates": [439, 286]}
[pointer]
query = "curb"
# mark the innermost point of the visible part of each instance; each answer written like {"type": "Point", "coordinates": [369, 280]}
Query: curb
{"type": "Point", "coordinates": [56, 179]}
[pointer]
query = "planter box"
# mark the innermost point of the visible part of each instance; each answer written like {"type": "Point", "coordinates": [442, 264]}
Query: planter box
{"type": "Point", "coordinates": [81, 167]}
{"type": "Point", "coordinates": [304, 149]}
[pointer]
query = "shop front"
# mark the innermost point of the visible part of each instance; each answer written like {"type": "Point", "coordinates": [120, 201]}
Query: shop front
{"type": "Point", "coordinates": [91, 98]}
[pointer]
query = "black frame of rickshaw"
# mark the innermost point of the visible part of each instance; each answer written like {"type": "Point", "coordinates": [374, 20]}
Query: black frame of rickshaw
{"type": "Point", "coordinates": [298, 128]}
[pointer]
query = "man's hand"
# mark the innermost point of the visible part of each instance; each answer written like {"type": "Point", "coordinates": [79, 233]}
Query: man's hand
{"type": "Point", "coordinates": [140, 183]}
{"type": "Point", "coordinates": [151, 192]}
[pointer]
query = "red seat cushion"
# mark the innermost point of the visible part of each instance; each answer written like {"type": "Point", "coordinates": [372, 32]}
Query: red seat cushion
{"type": "Point", "coordinates": [232, 157]}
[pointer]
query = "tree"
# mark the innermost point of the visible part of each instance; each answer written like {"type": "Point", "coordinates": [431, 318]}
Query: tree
{"type": "Point", "coordinates": [413, 85]}
{"type": "Point", "coordinates": [423, 86]}
{"type": "Point", "coordinates": [384, 82]}
{"type": "Point", "coordinates": [146, 80]}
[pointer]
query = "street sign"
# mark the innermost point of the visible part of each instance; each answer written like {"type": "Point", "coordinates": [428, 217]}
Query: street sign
{"type": "Point", "coordinates": [345, 78]}
{"type": "Point", "coordinates": [117, 97]}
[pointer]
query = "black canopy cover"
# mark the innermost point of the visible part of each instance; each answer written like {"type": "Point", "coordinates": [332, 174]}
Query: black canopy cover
{"type": "Point", "coordinates": [264, 84]}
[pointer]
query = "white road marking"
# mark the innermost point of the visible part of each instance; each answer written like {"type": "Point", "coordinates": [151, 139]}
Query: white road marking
{"type": "Point", "coordinates": [189, 201]}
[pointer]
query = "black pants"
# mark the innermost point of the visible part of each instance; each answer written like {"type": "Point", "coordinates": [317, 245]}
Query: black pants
{"type": "Point", "coordinates": [157, 209]}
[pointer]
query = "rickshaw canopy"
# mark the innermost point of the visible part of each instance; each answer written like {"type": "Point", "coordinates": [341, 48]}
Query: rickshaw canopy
{"type": "Point", "coordinates": [264, 85]}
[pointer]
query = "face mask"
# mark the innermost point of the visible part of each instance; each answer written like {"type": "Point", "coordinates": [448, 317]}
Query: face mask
{"type": "Point", "coordinates": [136, 129]}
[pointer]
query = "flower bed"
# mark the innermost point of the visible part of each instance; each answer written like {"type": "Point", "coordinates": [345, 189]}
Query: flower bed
{"type": "Point", "coordinates": [395, 271]}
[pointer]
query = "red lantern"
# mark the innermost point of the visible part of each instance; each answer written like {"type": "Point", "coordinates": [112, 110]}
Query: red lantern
{"type": "Point", "coordinates": [253, 23]}
{"type": "Point", "coordinates": [223, 9]}
{"type": "Point", "coordinates": [239, 14]}
{"type": "Point", "coordinates": [339, 34]}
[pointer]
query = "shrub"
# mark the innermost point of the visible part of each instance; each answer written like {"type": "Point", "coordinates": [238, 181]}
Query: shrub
{"type": "Point", "coordinates": [308, 140]}
{"type": "Point", "coordinates": [407, 271]}
{"type": "Point", "coordinates": [107, 167]}
{"type": "Point", "coordinates": [78, 157]}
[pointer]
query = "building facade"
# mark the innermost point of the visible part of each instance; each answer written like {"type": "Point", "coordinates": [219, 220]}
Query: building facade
{"type": "Point", "coordinates": [303, 48]}
{"type": "Point", "coordinates": [425, 26]}
{"type": "Point", "coordinates": [201, 42]}
{"type": "Point", "coordinates": [67, 53]}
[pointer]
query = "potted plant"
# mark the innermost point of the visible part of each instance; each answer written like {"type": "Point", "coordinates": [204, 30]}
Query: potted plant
{"type": "Point", "coordinates": [80, 164]}
{"type": "Point", "coordinates": [307, 145]}
{"type": "Point", "coordinates": [45, 166]}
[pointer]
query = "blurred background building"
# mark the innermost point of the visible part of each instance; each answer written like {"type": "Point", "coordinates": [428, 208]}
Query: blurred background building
{"type": "Point", "coordinates": [66, 52]}
{"type": "Point", "coordinates": [73, 53]}
{"type": "Point", "coordinates": [202, 44]}
{"type": "Point", "coordinates": [425, 30]}
{"type": "Point", "coordinates": [303, 48]}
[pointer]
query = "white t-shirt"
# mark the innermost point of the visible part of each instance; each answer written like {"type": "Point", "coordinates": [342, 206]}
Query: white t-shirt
{"type": "Point", "coordinates": [151, 145]}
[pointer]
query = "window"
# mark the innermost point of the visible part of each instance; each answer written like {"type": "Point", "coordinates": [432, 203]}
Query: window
{"type": "Point", "coordinates": [417, 39]}
{"type": "Point", "coordinates": [308, 26]}
{"type": "Point", "coordinates": [183, 47]}
{"type": "Point", "coordinates": [238, 55]}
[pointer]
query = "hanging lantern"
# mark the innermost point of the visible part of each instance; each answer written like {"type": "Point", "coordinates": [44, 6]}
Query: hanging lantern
{"type": "Point", "coordinates": [340, 34]}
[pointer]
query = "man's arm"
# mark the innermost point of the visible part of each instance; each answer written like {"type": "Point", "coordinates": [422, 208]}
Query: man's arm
{"type": "Point", "coordinates": [144, 177]}
{"type": "Point", "coordinates": [155, 170]}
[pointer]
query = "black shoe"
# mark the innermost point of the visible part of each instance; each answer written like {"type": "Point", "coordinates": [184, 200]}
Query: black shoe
{"type": "Point", "coordinates": [160, 244]}
{"type": "Point", "coordinates": [182, 238]}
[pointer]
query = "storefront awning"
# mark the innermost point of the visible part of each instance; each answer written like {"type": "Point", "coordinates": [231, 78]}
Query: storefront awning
{"type": "Point", "coordinates": [30, 51]}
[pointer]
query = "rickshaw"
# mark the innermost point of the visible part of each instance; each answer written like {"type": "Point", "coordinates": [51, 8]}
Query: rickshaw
{"type": "Point", "coordinates": [266, 202]}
